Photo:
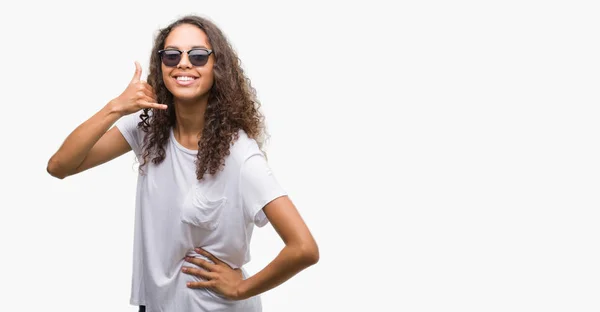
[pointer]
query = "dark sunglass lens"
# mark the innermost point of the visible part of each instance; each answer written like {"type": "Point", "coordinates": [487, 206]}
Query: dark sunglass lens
{"type": "Point", "coordinates": [171, 57]}
{"type": "Point", "coordinates": [198, 57]}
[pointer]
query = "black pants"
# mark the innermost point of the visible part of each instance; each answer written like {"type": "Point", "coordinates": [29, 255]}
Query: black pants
{"type": "Point", "coordinates": [142, 308]}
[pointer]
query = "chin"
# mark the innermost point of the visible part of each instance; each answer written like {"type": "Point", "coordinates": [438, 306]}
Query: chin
{"type": "Point", "coordinates": [189, 96]}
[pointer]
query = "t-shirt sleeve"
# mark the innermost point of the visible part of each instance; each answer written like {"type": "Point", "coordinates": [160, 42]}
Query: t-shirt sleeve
{"type": "Point", "coordinates": [132, 134]}
{"type": "Point", "coordinates": [258, 187]}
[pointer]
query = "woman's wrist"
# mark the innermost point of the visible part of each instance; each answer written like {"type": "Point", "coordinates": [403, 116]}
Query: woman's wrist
{"type": "Point", "coordinates": [242, 290]}
{"type": "Point", "coordinates": [113, 108]}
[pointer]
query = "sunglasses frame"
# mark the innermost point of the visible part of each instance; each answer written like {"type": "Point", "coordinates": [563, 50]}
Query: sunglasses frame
{"type": "Point", "coordinates": [160, 54]}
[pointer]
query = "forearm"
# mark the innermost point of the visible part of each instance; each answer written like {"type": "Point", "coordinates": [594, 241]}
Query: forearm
{"type": "Point", "coordinates": [77, 145]}
{"type": "Point", "coordinates": [290, 261]}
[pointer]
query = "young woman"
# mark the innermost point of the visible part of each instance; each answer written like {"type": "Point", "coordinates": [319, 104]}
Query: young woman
{"type": "Point", "coordinates": [204, 182]}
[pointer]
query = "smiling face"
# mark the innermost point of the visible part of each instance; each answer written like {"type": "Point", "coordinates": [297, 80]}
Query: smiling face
{"type": "Point", "coordinates": [186, 81]}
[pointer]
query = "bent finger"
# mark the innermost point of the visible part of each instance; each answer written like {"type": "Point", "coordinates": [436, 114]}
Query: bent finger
{"type": "Point", "coordinates": [198, 272]}
{"type": "Point", "coordinates": [208, 255]}
{"type": "Point", "coordinates": [148, 99]}
{"type": "Point", "coordinates": [147, 89]}
{"type": "Point", "coordinates": [201, 263]}
{"type": "Point", "coordinates": [197, 285]}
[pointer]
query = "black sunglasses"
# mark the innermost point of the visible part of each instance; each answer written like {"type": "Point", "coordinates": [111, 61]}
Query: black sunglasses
{"type": "Point", "coordinates": [197, 56]}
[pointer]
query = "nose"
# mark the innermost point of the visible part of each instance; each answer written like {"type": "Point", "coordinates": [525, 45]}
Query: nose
{"type": "Point", "coordinates": [185, 61]}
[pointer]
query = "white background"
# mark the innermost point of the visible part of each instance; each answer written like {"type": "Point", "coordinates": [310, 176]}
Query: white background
{"type": "Point", "coordinates": [445, 154]}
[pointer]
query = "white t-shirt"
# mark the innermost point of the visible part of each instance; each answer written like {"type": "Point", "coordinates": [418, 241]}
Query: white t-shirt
{"type": "Point", "coordinates": [175, 213]}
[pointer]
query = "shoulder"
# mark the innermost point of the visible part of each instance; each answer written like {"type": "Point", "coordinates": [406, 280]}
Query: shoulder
{"type": "Point", "coordinates": [129, 127]}
{"type": "Point", "coordinates": [243, 147]}
{"type": "Point", "coordinates": [128, 121]}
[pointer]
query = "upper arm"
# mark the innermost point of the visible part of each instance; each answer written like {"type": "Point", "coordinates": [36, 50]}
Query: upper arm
{"type": "Point", "coordinates": [287, 222]}
{"type": "Point", "coordinates": [110, 146]}
{"type": "Point", "coordinates": [265, 201]}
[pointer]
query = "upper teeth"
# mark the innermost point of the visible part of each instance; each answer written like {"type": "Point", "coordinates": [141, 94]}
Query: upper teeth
{"type": "Point", "coordinates": [184, 78]}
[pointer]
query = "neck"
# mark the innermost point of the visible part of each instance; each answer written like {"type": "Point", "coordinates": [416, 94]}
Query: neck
{"type": "Point", "coordinates": [189, 121]}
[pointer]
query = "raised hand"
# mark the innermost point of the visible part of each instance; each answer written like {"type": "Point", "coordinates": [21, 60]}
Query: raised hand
{"type": "Point", "coordinates": [218, 276]}
{"type": "Point", "coordinates": [138, 95]}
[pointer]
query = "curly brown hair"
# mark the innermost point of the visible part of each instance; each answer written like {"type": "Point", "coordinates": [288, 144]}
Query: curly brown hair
{"type": "Point", "coordinates": [232, 104]}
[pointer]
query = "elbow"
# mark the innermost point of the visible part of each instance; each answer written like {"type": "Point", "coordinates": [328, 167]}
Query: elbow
{"type": "Point", "coordinates": [54, 169]}
{"type": "Point", "coordinates": [309, 254]}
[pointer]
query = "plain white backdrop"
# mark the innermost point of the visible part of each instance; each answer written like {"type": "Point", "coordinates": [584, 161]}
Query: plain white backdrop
{"type": "Point", "coordinates": [445, 154]}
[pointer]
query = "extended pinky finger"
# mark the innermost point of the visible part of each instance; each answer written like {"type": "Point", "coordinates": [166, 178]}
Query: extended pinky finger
{"type": "Point", "coordinates": [197, 285]}
{"type": "Point", "coordinates": [153, 105]}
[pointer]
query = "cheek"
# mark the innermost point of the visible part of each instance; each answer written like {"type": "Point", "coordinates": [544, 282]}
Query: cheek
{"type": "Point", "coordinates": [169, 83]}
{"type": "Point", "coordinates": [208, 78]}
{"type": "Point", "coordinates": [165, 74]}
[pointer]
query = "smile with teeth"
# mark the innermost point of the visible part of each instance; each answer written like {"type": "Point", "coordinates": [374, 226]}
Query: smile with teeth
{"type": "Point", "coordinates": [185, 80]}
